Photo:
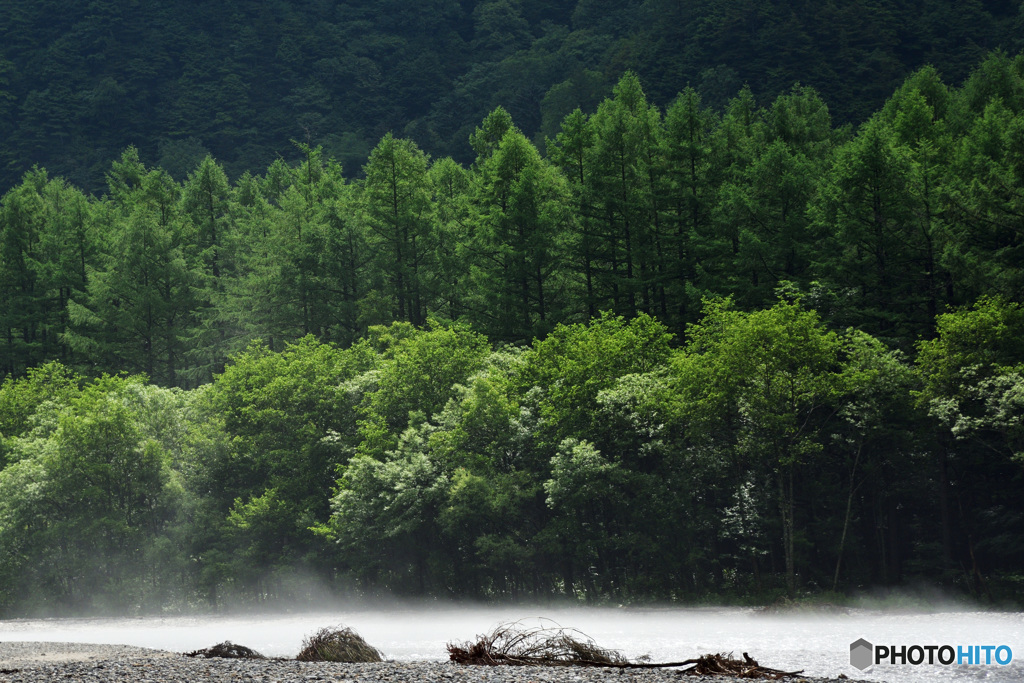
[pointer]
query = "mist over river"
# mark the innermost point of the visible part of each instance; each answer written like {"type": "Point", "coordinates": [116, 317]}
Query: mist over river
{"type": "Point", "coordinates": [817, 643]}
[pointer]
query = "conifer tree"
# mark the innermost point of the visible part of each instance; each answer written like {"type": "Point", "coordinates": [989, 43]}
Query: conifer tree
{"type": "Point", "coordinates": [397, 210]}
{"type": "Point", "coordinates": [138, 310]}
{"type": "Point", "coordinates": [572, 151]}
{"type": "Point", "coordinates": [877, 209]}
{"type": "Point", "coordinates": [46, 244]}
{"type": "Point", "coordinates": [629, 180]}
{"type": "Point", "coordinates": [206, 204]}
{"type": "Point", "coordinates": [518, 241]}
{"type": "Point", "coordinates": [450, 185]}
{"type": "Point", "coordinates": [694, 170]}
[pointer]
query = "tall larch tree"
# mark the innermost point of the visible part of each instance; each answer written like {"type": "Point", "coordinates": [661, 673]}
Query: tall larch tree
{"type": "Point", "coordinates": [522, 222]}
{"type": "Point", "coordinates": [397, 209]}
{"type": "Point", "coordinates": [694, 171]}
{"type": "Point", "coordinates": [137, 312]}
{"type": "Point", "coordinates": [206, 203]}
{"type": "Point", "coordinates": [629, 179]}
{"type": "Point", "coordinates": [572, 151]}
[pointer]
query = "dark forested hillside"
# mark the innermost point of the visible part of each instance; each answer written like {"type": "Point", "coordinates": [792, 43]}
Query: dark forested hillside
{"type": "Point", "coordinates": [80, 82]}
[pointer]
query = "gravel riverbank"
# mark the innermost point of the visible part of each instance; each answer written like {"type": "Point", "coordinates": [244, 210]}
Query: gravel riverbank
{"type": "Point", "coordinates": [38, 662]}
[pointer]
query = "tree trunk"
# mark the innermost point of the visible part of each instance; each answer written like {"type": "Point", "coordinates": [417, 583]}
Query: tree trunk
{"type": "Point", "coordinates": [846, 518]}
{"type": "Point", "coordinates": [786, 510]}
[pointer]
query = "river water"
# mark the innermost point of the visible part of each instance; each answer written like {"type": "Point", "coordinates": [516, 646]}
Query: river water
{"type": "Point", "coordinates": [819, 644]}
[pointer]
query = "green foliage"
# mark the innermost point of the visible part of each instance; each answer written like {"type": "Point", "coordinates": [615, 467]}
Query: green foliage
{"type": "Point", "coordinates": [383, 516]}
{"type": "Point", "coordinates": [397, 207]}
{"type": "Point", "coordinates": [766, 387]}
{"type": "Point", "coordinates": [22, 401]}
{"type": "Point", "coordinates": [521, 215]}
{"type": "Point", "coordinates": [49, 243]}
{"type": "Point", "coordinates": [137, 308]}
{"type": "Point", "coordinates": [87, 504]}
{"type": "Point", "coordinates": [689, 353]}
{"type": "Point", "coordinates": [971, 374]}
{"type": "Point", "coordinates": [576, 362]}
{"type": "Point", "coordinates": [777, 368]}
{"type": "Point", "coordinates": [598, 462]}
{"type": "Point", "coordinates": [277, 409]}
{"type": "Point", "coordinates": [635, 211]}
{"type": "Point", "coordinates": [415, 381]}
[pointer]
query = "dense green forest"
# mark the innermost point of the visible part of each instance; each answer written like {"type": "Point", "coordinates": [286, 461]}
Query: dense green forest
{"type": "Point", "coordinates": [682, 355]}
{"type": "Point", "coordinates": [80, 82]}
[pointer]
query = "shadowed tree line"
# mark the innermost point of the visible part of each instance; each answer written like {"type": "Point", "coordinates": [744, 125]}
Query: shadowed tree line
{"type": "Point", "coordinates": [768, 455]}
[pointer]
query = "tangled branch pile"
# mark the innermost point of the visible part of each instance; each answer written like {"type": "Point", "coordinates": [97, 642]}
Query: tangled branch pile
{"type": "Point", "coordinates": [338, 645]}
{"type": "Point", "coordinates": [227, 650]}
{"type": "Point", "coordinates": [514, 644]}
{"type": "Point", "coordinates": [725, 665]}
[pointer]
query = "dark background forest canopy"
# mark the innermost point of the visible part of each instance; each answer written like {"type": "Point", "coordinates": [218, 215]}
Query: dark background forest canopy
{"type": "Point", "coordinates": [80, 82]}
{"type": "Point", "coordinates": [711, 344]}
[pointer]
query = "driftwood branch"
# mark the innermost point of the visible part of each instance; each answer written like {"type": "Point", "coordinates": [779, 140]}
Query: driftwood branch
{"type": "Point", "coordinates": [511, 644]}
{"type": "Point", "coordinates": [725, 665]}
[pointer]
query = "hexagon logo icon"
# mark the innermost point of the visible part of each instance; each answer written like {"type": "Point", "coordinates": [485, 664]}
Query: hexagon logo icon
{"type": "Point", "coordinates": [861, 654]}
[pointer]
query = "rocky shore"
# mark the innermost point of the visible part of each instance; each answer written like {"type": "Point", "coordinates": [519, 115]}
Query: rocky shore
{"type": "Point", "coordinates": [39, 662]}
